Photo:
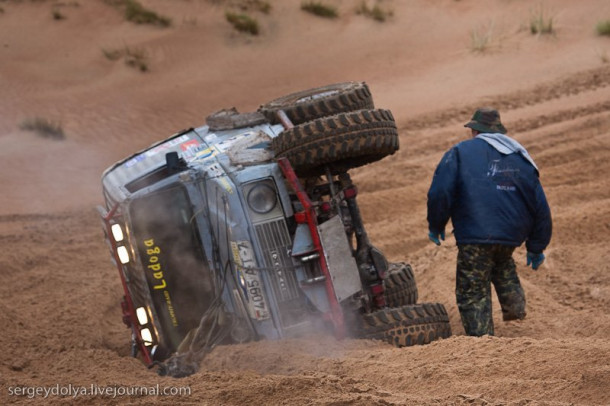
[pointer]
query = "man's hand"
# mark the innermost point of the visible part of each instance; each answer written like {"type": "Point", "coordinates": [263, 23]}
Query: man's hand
{"type": "Point", "coordinates": [434, 237]}
{"type": "Point", "coordinates": [535, 260]}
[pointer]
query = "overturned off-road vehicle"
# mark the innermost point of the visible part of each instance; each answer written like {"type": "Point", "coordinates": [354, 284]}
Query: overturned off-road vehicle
{"type": "Point", "coordinates": [248, 228]}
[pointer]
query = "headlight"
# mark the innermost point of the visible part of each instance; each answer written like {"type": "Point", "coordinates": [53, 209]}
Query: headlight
{"type": "Point", "coordinates": [262, 198]}
{"type": "Point", "coordinates": [142, 315]}
{"type": "Point", "coordinates": [146, 336]}
{"type": "Point", "coordinates": [117, 232]}
{"type": "Point", "coordinates": [123, 254]}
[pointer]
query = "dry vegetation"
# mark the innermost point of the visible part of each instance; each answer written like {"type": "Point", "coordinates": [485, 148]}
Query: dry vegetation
{"type": "Point", "coordinates": [44, 127]}
{"type": "Point", "coordinates": [541, 23]}
{"type": "Point", "coordinates": [603, 28]}
{"type": "Point", "coordinates": [481, 38]}
{"type": "Point", "coordinates": [138, 14]}
{"type": "Point", "coordinates": [136, 57]}
{"type": "Point", "coordinates": [243, 22]}
{"type": "Point", "coordinates": [320, 9]}
{"type": "Point", "coordinates": [57, 14]}
{"type": "Point", "coordinates": [376, 12]}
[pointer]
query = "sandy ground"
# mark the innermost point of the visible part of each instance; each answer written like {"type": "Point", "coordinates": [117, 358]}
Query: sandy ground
{"type": "Point", "coordinates": [59, 294]}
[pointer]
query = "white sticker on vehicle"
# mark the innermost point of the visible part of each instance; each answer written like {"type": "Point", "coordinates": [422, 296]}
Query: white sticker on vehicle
{"type": "Point", "coordinates": [249, 279]}
{"type": "Point", "coordinates": [222, 146]}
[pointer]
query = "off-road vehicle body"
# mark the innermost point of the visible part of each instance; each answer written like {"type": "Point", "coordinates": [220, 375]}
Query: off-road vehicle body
{"type": "Point", "coordinates": [248, 228]}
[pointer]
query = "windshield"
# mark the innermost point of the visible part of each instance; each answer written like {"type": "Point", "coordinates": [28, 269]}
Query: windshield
{"type": "Point", "coordinates": [173, 262]}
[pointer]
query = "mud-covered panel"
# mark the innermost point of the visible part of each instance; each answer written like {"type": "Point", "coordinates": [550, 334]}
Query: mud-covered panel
{"type": "Point", "coordinates": [341, 263]}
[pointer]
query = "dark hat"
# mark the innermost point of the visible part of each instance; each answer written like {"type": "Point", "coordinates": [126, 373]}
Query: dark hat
{"type": "Point", "coordinates": [486, 120]}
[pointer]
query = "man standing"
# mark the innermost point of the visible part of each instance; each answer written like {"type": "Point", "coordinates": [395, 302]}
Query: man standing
{"type": "Point", "coordinates": [489, 187]}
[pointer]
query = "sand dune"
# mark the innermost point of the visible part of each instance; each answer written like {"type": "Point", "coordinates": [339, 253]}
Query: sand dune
{"type": "Point", "coordinates": [59, 301]}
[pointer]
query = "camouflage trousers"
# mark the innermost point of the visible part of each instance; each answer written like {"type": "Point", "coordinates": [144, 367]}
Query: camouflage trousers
{"type": "Point", "coordinates": [479, 266]}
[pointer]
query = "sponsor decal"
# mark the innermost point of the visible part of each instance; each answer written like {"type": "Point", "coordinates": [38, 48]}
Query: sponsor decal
{"type": "Point", "coordinates": [189, 149]}
{"type": "Point", "coordinates": [154, 267]}
{"type": "Point", "coordinates": [191, 144]}
{"type": "Point", "coordinates": [226, 185]}
{"type": "Point", "coordinates": [226, 144]}
{"type": "Point", "coordinates": [205, 153]}
{"type": "Point", "coordinates": [134, 160]}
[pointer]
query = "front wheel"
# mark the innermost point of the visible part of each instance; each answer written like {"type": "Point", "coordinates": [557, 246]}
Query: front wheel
{"type": "Point", "coordinates": [405, 325]}
{"type": "Point", "coordinates": [400, 286]}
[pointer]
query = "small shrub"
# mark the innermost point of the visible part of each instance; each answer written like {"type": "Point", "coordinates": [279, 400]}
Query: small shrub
{"type": "Point", "coordinates": [243, 23]}
{"type": "Point", "coordinates": [43, 127]}
{"type": "Point", "coordinates": [136, 13]}
{"type": "Point", "coordinates": [134, 57]}
{"type": "Point", "coordinates": [539, 24]}
{"type": "Point", "coordinates": [57, 15]}
{"type": "Point", "coordinates": [603, 28]}
{"type": "Point", "coordinates": [376, 13]}
{"type": "Point", "coordinates": [319, 9]}
{"type": "Point", "coordinates": [480, 39]}
{"type": "Point", "coordinates": [112, 54]}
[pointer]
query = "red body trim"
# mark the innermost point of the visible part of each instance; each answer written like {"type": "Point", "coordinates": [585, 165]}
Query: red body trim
{"type": "Point", "coordinates": [335, 314]}
{"type": "Point", "coordinates": [129, 313]}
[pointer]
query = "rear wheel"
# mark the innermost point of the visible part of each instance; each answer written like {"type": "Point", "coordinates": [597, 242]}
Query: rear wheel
{"type": "Point", "coordinates": [406, 325]}
{"type": "Point", "coordinates": [339, 142]}
{"type": "Point", "coordinates": [318, 102]}
{"type": "Point", "coordinates": [400, 286]}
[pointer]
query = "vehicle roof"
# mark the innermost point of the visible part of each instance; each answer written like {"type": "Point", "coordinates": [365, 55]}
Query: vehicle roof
{"type": "Point", "coordinates": [233, 149]}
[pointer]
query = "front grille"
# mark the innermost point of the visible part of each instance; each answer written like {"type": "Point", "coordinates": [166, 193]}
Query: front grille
{"type": "Point", "coordinates": [275, 243]}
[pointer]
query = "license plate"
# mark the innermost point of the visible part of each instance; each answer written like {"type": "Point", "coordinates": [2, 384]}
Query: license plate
{"type": "Point", "coordinates": [250, 280]}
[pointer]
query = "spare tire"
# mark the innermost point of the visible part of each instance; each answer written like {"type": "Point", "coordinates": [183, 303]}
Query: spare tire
{"type": "Point", "coordinates": [406, 325]}
{"type": "Point", "coordinates": [400, 286]}
{"type": "Point", "coordinates": [318, 102]}
{"type": "Point", "coordinates": [341, 142]}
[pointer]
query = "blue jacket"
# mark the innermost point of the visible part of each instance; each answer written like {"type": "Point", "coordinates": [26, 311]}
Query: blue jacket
{"type": "Point", "coordinates": [490, 197]}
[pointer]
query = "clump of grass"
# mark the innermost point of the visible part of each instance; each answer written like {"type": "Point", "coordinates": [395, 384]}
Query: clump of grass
{"type": "Point", "coordinates": [258, 5]}
{"type": "Point", "coordinates": [134, 57]}
{"type": "Point", "coordinates": [137, 13]}
{"type": "Point", "coordinates": [376, 12]}
{"type": "Point", "coordinates": [319, 9]}
{"type": "Point", "coordinates": [481, 38]}
{"type": "Point", "coordinates": [243, 23]}
{"type": "Point", "coordinates": [43, 127]}
{"type": "Point", "coordinates": [603, 28]}
{"type": "Point", "coordinates": [540, 24]}
{"type": "Point", "coordinates": [112, 54]}
{"type": "Point", "coordinates": [57, 15]}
